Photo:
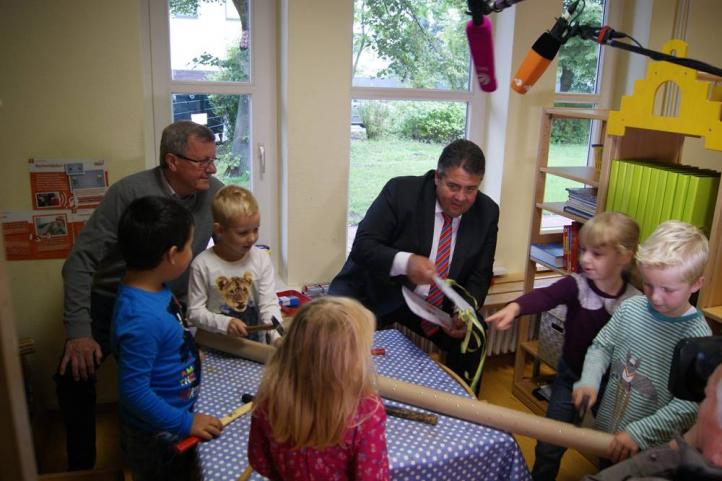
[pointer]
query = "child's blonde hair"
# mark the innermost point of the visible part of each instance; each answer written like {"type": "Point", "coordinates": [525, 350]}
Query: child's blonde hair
{"type": "Point", "coordinates": [612, 229]}
{"type": "Point", "coordinates": [676, 244]}
{"type": "Point", "coordinates": [231, 201]}
{"type": "Point", "coordinates": [312, 385]}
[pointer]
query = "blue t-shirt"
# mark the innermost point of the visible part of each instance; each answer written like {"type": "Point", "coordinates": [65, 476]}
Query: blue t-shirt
{"type": "Point", "coordinates": [158, 366]}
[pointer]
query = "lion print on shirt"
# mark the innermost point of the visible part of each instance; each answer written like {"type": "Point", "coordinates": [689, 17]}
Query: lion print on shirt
{"type": "Point", "coordinates": [238, 301]}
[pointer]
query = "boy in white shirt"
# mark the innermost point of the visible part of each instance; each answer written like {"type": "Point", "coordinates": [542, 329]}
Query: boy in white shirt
{"type": "Point", "coordinates": [231, 284]}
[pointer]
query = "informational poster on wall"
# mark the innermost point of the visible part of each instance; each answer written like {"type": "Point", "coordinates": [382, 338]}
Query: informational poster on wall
{"type": "Point", "coordinates": [67, 184]}
{"type": "Point", "coordinates": [41, 235]}
{"type": "Point", "coordinates": [63, 195]}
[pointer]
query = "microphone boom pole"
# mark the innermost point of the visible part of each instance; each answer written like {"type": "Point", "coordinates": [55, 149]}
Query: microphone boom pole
{"type": "Point", "coordinates": [605, 36]}
{"type": "Point", "coordinates": [654, 55]}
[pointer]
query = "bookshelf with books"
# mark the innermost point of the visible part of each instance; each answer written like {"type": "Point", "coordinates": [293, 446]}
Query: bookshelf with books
{"type": "Point", "coordinates": [636, 133]}
{"type": "Point", "coordinates": [554, 250]}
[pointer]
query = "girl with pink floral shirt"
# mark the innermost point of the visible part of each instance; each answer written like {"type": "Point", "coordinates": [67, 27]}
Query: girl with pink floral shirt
{"type": "Point", "coordinates": [318, 415]}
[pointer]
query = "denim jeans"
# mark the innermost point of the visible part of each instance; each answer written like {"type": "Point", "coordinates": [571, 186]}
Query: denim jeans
{"type": "Point", "coordinates": [548, 457]}
{"type": "Point", "coordinates": [152, 456]}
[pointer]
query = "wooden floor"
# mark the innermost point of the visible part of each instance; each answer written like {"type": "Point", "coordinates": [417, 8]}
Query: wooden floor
{"type": "Point", "coordinates": [50, 452]}
{"type": "Point", "coordinates": [496, 388]}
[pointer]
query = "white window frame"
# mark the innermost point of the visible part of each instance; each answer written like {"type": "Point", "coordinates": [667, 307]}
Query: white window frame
{"type": "Point", "coordinates": [261, 87]}
{"type": "Point", "coordinates": [599, 100]}
{"type": "Point", "coordinates": [473, 97]}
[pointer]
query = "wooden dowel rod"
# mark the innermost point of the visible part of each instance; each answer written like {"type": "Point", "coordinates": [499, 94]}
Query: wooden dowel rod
{"type": "Point", "coordinates": [479, 412]}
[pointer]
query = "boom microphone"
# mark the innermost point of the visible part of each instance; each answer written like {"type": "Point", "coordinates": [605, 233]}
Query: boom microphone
{"type": "Point", "coordinates": [542, 53]}
{"type": "Point", "coordinates": [482, 52]}
{"type": "Point", "coordinates": [499, 5]}
{"type": "Point", "coordinates": [536, 62]}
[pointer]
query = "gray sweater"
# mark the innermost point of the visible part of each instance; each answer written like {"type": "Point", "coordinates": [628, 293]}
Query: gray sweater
{"type": "Point", "coordinates": [95, 263]}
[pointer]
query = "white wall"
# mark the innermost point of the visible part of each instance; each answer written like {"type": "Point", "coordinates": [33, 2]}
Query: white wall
{"type": "Point", "coordinates": [70, 88]}
{"type": "Point", "coordinates": [315, 107]}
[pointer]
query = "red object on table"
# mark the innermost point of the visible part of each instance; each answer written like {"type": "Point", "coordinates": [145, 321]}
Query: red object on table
{"type": "Point", "coordinates": [186, 444]}
{"type": "Point", "coordinates": [302, 299]}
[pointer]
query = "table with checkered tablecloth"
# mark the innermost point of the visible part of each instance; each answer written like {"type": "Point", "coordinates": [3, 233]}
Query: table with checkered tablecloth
{"type": "Point", "coordinates": [452, 450]}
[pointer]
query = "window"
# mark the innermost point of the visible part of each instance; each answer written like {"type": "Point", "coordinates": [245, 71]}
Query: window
{"type": "Point", "coordinates": [412, 93]}
{"type": "Point", "coordinates": [578, 84]}
{"type": "Point", "coordinates": [213, 63]}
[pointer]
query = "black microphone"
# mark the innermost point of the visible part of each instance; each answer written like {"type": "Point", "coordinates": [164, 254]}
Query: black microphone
{"type": "Point", "coordinates": [478, 8]}
{"type": "Point", "coordinates": [601, 35]}
{"type": "Point", "coordinates": [500, 5]}
{"type": "Point", "coordinates": [542, 53]}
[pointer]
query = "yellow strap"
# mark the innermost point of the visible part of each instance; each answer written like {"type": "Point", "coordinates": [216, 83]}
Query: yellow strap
{"type": "Point", "coordinates": [469, 318]}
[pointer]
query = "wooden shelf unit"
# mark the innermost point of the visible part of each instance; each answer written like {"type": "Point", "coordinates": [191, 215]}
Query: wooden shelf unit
{"type": "Point", "coordinates": [527, 352]}
{"type": "Point", "coordinates": [585, 175]}
{"type": "Point", "coordinates": [633, 132]}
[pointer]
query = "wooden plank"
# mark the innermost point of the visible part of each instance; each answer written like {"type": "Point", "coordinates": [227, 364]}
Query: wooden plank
{"type": "Point", "coordinates": [586, 175]}
{"type": "Point", "coordinates": [714, 313]}
{"type": "Point", "coordinates": [711, 293]}
{"type": "Point", "coordinates": [641, 144]}
{"type": "Point", "coordinates": [16, 443]}
{"type": "Point", "coordinates": [558, 208]}
{"type": "Point", "coordinates": [89, 475]}
{"type": "Point", "coordinates": [522, 390]}
{"type": "Point", "coordinates": [574, 113]}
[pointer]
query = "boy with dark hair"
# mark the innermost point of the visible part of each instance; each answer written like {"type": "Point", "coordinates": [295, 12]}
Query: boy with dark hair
{"type": "Point", "coordinates": [95, 267]}
{"type": "Point", "coordinates": [158, 363]}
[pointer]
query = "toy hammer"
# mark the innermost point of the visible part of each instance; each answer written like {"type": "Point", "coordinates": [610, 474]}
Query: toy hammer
{"type": "Point", "coordinates": [276, 324]}
{"type": "Point", "coordinates": [187, 443]}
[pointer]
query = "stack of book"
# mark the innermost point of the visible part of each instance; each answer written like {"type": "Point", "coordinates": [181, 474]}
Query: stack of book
{"type": "Point", "coordinates": [582, 202]}
{"type": "Point", "coordinates": [570, 241]}
{"type": "Point", "coordinates": [652, 192]}
{"type": "Point", "coordinates": [551, 254]}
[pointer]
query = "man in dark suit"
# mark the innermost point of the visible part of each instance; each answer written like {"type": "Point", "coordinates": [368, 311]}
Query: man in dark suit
{"type": "Point", "coordinates": [396, 244]}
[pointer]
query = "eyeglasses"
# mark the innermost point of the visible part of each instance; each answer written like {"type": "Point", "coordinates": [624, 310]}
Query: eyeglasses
{"type": "Point", "coordinates": [200, 163]}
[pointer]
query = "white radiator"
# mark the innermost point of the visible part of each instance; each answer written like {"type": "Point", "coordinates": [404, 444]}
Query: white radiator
{"type": "Point", "coordinates": [499, 342]}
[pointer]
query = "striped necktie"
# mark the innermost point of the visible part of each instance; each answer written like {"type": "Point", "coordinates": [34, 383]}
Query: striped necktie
{"type": "Point", "coordinates": [443, 256]}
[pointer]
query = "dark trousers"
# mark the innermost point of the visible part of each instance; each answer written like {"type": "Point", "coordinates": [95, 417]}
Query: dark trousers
{"type": "Point", "coordinates": [152, 456]}
{"type": "Point", "coordinates": [455, 360]}
{"type": "Point", "coordinates": [77, 398]}
{"type": "Point", "coordinates": [548, 457]}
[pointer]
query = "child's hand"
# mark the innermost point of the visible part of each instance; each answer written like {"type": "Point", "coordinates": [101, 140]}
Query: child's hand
{"type": "Point", "coordinates": [237, 328]}
{"type": "Point", "coordinates": [622, 447]}
{"type": "Point", "coordinates": [205, 426]}
{"type": "Point", "coordinates": [579, 393]}
{"type": "Point", "coordinates": [503, 318]}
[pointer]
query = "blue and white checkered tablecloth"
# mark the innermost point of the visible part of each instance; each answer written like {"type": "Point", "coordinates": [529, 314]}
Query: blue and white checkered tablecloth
{"type": "Point", "coordinates": [452, 450]}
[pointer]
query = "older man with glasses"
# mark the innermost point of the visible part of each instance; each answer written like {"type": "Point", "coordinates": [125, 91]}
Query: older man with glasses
{"type": "Point", "coordinates": [93, 270]}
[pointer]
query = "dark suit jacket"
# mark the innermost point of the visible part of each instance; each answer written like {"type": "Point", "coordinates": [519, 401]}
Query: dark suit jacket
{"type": "Point", "coordinates": [402, 219]}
